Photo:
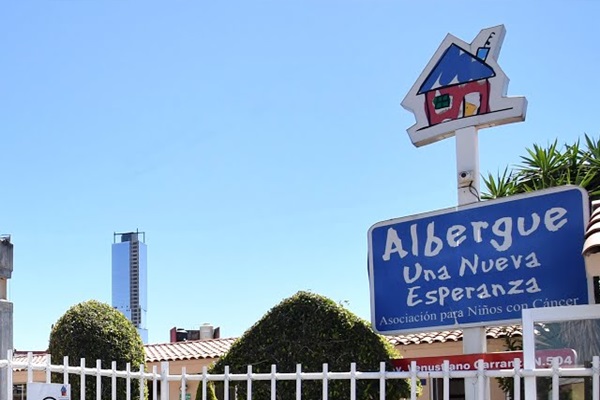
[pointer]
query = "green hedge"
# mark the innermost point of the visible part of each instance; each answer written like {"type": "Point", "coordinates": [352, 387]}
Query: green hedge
{"type": "Point", "coordinates": [96, 331]}
{"type": "Point", "coordinates": [311, 330]}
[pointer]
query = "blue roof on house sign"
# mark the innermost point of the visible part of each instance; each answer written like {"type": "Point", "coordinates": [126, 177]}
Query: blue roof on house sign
{"type": "Point", "coordinates": [454, 67]}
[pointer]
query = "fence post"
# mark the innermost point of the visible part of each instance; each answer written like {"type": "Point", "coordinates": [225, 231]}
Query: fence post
{"type": "Point", "coordinates": [482, 383]}
{"type": "Point", "coordinates": [204, 383]}
{"type": "Point", "coordinates": [226, 383]}
{"type": "Point", "coordinates": [555, 378]}
{"type": "Point", "coordinates": [273, 382]}
{"type": "Point", "coordinates": [325, 381]}
{"type": "Point", "coordinates": [183, 383]}
{"type": "Point", "coordinates": [298, 381]}
{"type": "Point", "coordinates": [595, 378]}
{"type": "Point", "coordinates": [29, 367]}
{"type": "Point", "coordinates": [249, 384]}
{"type": "Point", "coordinates": [48, 372]}
{"type": "Point", "coordinates": [164, 380]}
{"type": "Point", "coordinates": [142, 392]}
{"type": "Point", "coordinates": [413, 380]}
{"type": "Point", "coordinates": [65, 370]}
{"type": "Point", "coordinates": [113, 380]}
{"type": "Point", "coordinates": [154, 383]}
{"type": "Point", "coordinates": [98, 380]}
{"type": "Point", "coordinates": [127, 381]}
{"type": "Point", "coordinates": [82, 379]}
{"type": "Point", "coordinates": [352, 381]}
{"type": "Point", "coordinates": [382, 376]}
{"type": "Point", "coordinates": [517, 379]}
{"type": "Point", "coordinates": [446, 379]}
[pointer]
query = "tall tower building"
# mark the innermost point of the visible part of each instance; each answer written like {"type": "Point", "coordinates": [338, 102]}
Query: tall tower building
{"type": "Point", "coordinates": [130, 278]}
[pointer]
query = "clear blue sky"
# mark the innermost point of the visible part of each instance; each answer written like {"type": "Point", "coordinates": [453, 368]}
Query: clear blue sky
{"type": "Point", "coordinates": [255, 142]}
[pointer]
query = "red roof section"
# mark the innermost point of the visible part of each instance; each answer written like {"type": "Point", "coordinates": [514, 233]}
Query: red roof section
{"type": "Point", "coordinates": [37, 357]}
{"type": "Point", "coordinates": [188, 350]}
{"type": "Point", "coordinates": [495, 332]}
{"type": "Point", "coordinates": [215, 348]}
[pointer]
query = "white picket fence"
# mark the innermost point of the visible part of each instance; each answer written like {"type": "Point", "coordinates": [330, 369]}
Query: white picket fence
{"type": "Point", "coordinates": [152, 379]}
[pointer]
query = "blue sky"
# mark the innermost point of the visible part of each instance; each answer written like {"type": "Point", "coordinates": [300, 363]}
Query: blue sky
{"type": "Point", "coordinates": [254, 142]}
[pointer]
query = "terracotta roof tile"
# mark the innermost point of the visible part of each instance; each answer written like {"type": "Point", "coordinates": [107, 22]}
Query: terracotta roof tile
{"type": "Point", "coordinates": [189, 350]}
{"type": "Point", "coordinates": [453, 336]}
{"type": "Point", "coordinates": [38, 357]}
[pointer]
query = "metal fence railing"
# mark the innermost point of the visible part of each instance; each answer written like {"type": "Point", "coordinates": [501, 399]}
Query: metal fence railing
{"type": "Point", "coordinates": [156, 379]}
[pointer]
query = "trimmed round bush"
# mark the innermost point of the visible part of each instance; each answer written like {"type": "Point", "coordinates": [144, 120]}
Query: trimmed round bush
{"type": "Point", "coordinates": [311, 330]}
{"type": "Point", "coordinates": [96, 331]}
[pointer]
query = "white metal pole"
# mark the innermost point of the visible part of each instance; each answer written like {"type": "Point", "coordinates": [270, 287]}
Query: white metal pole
{"type": "Point", "coordinates": [467, 165]}
{"type": "Point", "coordinates": [467, 179]}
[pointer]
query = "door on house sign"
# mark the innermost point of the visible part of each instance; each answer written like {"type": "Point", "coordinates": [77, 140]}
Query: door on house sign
{"type": "Point", "coordinates": [471, 104]}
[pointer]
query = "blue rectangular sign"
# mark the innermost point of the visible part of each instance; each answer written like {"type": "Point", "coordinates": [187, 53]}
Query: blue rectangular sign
{"type": "Point", "coordinates": [480, 264]}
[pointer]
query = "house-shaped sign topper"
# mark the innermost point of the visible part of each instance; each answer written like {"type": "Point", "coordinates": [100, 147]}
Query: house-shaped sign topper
{"type": "Point", "coordinates": [462, 86]}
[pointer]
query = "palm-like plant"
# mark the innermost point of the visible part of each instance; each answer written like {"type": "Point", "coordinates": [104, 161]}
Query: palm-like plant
{"type": "Point", "coordinates": [545, 167]}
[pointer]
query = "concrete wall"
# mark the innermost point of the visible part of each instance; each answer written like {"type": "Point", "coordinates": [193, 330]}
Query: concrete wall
{"type": "Point", "coordinates": [6, 339]}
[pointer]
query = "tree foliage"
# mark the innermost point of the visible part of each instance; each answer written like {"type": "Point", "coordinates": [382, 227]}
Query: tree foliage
{"type": "Point", "coordinates": [96, 331]}
{"type": "Point", "coordinates": [310, 330]}
{"type": "Point", "coordinates": [545, 167]}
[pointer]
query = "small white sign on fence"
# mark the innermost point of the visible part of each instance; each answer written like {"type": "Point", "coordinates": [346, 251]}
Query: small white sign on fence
{"type": "Point", "coordinates": [48, 391]}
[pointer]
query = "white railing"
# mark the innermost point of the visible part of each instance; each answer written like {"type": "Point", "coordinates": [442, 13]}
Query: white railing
{"type": "Point", "coordinates": [152, 380]}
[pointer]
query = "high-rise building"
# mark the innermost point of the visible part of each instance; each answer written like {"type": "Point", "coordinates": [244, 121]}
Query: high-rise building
{"type": "Point", "coordinates": [130, 278]}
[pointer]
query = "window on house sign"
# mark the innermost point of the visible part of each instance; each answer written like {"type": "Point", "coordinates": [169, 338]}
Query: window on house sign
{"type": "Point", "coordinates": [441, 101]}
